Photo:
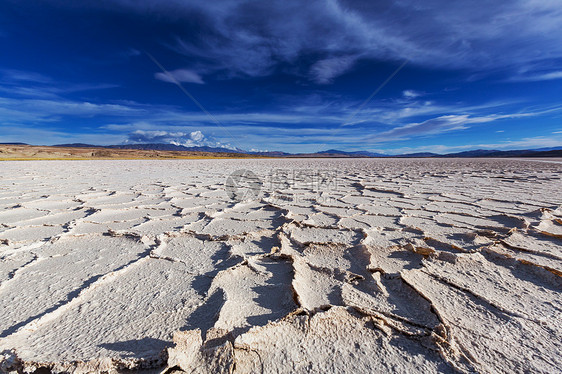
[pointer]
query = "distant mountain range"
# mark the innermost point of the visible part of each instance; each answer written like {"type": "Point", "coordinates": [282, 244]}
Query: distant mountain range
{"type": "Point", "coordinates": [352, 154]}
{"type": "Point", "coordinates": [542, 152]}
{"type": "Point", "coordinates": [331, 153]}
{"type": "Point", "coordinates": [155, 147]}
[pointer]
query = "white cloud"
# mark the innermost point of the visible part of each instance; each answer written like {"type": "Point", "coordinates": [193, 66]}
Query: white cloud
{"type": "Point", "coordinates": [538, 77]}
{"type": "Point", "coordinates": [246, 136]}
{"type": "Point", "coordinates": [432, 126]}
{"type": "Point", "coordinates": [46, 135]}
{"type": "Point", "coordinates": [249, 38]}
{"type": "Point", "coordinates": [43, 110]}
{"type": "Point", "coordinates": [197, 136]}
{"type": "Point", "coordinates": [441, 125]}
{"type": "Point", "coordinates": [186, 139]}
{"type": "Point", "coordinates": [12, 76]}
{"type": "Point", "coordinates": [319, 121]}
{"type": "Point", "coordinates": [524, 143]}
{"type": "Point", "coordinates": [180, 75]}
{"type": "Point", "coordinates": [411, 94]}
{"type": "Point", "coordinates": [29, 84]}
{"type": "Point", "coordinates": [324, 71]}
{"type": "Point", "coordinates": [323, 126]}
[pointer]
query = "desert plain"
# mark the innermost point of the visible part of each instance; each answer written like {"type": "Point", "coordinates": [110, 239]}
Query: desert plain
{"type": "Point", "coordinates": [281, 266]}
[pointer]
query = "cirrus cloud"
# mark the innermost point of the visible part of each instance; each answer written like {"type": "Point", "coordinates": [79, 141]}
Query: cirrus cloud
{"type": "Point", "coordinates": [253, 38]}
{"type": "Point", "coordinates": [179, 75]}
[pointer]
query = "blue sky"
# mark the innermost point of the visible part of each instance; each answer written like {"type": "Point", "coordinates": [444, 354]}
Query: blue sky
{"type": "Point", "coordinates": [286, 75]}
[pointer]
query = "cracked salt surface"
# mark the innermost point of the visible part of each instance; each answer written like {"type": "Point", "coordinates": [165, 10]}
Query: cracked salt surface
{"type": "Point", "coordinates": [403, 266]}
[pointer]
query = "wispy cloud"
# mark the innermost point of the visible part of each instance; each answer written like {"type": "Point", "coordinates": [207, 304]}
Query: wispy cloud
{"type": "Point", "coordinates": [318, 124]}
{"type": "Point", "coordinates": [432, 126]}
{"type": "Point", "coordinates": [41, 110]}
{"type": "Point", "coordinates": [411, 94]}
{"type": "Point", "coordinates": [12, 76]}
{"type": "Point", "coordinates": [29, 84]}
{"type": "Point", "coordinates": [324, 71]}
{"type": "Point", "coordinates": [248, 38]}
{"type": "Point", "coordinates": [524, 143]}
{"type": "Point", "coordinates": [180, 75]}
{"type": "Point", "coordinates": [46, 135]}
{"type": "Point", "coordinates": [318, 119]}
{"type": "Point", "coordinates": [52, 91]}
{"type": "Point", "coordinates": [441, 125]}
{"type": "Point", "coordinates": [538, 77]}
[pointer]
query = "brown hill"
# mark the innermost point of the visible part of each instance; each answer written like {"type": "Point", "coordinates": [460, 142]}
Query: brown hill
{"type": "Point", "coordinates": [30, 152]}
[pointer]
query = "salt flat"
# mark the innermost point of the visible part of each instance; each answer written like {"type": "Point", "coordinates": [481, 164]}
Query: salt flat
{"type": "Point", "coordinates": [332, 265]}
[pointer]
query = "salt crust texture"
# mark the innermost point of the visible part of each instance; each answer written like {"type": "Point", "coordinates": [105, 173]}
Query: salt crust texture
{"type": "Point", "coordinates": [401, 266]}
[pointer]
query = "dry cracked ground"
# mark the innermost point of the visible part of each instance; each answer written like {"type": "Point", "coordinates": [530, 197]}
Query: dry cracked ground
{"type": "Point", "coordinates": [354, 266]}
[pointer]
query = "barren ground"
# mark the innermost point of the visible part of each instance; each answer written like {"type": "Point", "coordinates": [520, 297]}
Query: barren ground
{"type": "Point", "coordinates": [358, 266]}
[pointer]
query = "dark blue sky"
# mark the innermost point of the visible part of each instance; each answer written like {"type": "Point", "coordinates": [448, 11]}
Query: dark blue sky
{"type": "Point", "coordinates": [283, 75]}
